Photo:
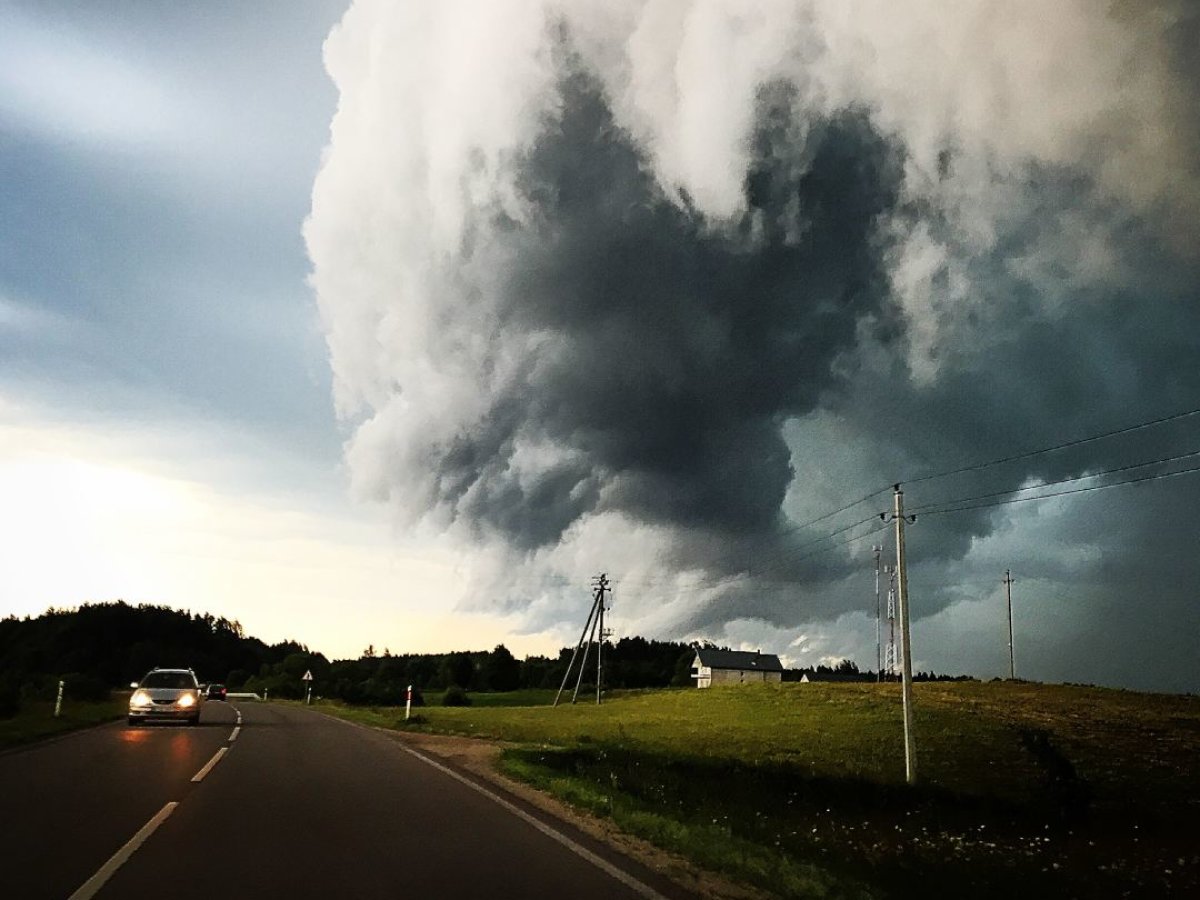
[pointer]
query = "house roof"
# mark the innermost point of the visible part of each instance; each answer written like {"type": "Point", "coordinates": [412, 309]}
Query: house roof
{"type": "Point", "coordinates": [739, 659]}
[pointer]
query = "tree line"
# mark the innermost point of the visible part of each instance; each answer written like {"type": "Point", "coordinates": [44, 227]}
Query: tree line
{"type": "Point", "coordinates": [100, 646]}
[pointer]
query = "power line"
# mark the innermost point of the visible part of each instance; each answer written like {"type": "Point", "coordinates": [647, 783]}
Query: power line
{"type": "Point", "coordinates": [1069, 480]}
{"type": "Point", "coordinates": [1063, 446]}
{"type": "Point", "coordinates": [761, 566]}
{"type": "Point", "coordinates": [741, 576]}
{"type": "Point", "coordinates": [788, 551]}
{"type": "Point", "coordinates": [765, 564]}
{"type": "Point", "coordinates": [1080, 490]}
{"type": "Point", "coordinates": [850, 540]}
{"type": "Point", "coordinates": [840, 509]}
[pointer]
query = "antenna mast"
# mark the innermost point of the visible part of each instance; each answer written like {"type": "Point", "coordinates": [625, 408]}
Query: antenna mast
{"type": "Point", "coordinates": [878, 646]}
{"type": "Point", "coordinates": [890, 659]}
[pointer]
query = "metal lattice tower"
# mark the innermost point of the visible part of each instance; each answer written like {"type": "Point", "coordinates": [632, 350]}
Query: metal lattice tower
{"type": "Point", "coordinates": [890, 662]}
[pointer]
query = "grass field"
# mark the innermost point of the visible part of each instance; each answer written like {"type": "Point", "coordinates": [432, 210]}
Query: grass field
{"type": "Point", "coordinates": [36, 720]}
{"type": "Point", "coordinates": [799, 789]}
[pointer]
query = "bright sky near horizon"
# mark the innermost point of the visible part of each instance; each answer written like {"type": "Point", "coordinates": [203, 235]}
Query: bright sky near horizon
{"type": "Point", "coordinates": [166, 429]}
{"type": "Point", "coordinates": [393, 323]}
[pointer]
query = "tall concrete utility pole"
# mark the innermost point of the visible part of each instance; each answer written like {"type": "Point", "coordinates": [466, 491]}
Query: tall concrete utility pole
{"type": "Point", "coordinates": [1008, 583]}
{"type": "Point", "coordinates": [910, 748]}
{"type": "Point", "coordinates": [601, 587]}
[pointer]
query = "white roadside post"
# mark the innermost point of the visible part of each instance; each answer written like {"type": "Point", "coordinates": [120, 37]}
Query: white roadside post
{"type": "Point", "coordinates": [408, 704]}
{"type": "Point", "coordinates": [307, 679]}
{"type": "Point", "coordinates": [58, 702]}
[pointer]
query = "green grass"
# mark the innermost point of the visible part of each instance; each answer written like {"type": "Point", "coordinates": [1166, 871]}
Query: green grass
{"type": "Point", "coordinates": [799, 789]}
{"type": "Point", "coordinates": [36, 720]}
{"type": "Point", "coordinates": [531, 697]}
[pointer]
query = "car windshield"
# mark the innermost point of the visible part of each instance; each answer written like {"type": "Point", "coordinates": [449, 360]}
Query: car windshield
{"type": "Point", "coordinates": [168, 680]}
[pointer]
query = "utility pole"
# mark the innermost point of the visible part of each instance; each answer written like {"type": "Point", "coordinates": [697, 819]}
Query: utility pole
{"type": "Point", "coordinates": [586, 651]}
{"type": "Point", "coordinates": [878, 548]}
{"type": "Point", "coordinates": [595, 621]}
{"type": "Point", "coordinates": [910, 749]}
{"type": "Point", "coordinates": [1008, 583]}
{"type": "Point", "coordinates": [582, 635]}
{"type": "Point", "coordinates": [603, 633]}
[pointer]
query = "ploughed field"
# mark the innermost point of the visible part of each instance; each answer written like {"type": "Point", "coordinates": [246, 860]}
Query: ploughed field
{"type": "Point", "coordinates": [798, 789]}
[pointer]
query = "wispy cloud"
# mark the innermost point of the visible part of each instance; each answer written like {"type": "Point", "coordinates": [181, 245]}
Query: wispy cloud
{"type": "Point", "coordinates": [58, 84]}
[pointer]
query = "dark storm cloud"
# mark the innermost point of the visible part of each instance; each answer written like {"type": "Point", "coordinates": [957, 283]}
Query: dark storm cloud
{"type": "Point", "coordinates": [680, 346]}
{"type": "Point", "coordinates": [1024, 374]}
{"type": "Point", "coordinates": [719, 274]}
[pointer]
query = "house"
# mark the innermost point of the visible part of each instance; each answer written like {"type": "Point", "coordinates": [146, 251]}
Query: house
{"type": "Point", "coordinates": [734, 667]}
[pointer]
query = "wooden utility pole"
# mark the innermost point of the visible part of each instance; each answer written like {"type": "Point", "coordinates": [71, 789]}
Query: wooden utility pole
{"type": "Point", "coordinates": [1008, 583]}
{"type": "Point", "coordinates": [594, 623]}
{"type": "Point", "coordinates": [583, 634]}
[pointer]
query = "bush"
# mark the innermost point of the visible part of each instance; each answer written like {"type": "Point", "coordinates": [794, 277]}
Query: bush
{"type": "Point", "coordinates": [39, 690]}
{"type": "Point", "coordinates": [10, 699]}
{"type": "Point", "coordinates": [455, 696]}
{"type": "Point", "coordinates": [85, 687]}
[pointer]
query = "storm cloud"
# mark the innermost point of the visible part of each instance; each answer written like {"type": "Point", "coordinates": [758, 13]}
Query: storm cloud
{"type": "Point", "coordinates": [650, 286]}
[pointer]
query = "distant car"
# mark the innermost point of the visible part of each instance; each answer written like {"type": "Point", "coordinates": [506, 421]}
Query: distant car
{"type": "Point", "coordinates": [172, 694]}
{"type": "Point", "coordinates": [214, 692]}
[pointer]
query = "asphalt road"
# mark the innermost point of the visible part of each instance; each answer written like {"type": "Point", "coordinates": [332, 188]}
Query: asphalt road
{"type": "Point", "coordinates": [295, 805]}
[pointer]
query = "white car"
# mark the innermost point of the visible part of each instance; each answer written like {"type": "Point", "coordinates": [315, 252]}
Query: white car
{"type": "Point", "coordinates": [166, 694]}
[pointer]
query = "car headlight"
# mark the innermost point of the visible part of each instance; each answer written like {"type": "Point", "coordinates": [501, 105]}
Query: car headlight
{"type": "Point", "coordinates": [140, 698]}
{"type": "Point", "coordinates": [186, 700]}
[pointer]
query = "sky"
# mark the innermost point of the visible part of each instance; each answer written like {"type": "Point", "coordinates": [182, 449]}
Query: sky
{"type": "Point", "coordinates": [394, 323]}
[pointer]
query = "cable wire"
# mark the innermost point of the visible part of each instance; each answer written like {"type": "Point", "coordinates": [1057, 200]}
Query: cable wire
{"type": "Point", "coordinates": [740, 576]}
{"type": "Point", "coordinates": [1063, 446]}
{"type": "Point", "coordinates": [1080, 490]}
{"type": "Point", "coordinates": [1071, 479]}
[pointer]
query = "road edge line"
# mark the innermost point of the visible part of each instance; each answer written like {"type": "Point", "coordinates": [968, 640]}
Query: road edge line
{"type": "Point", "coordinates": [635, 885]}
{"type": "Point", "coordinates": [89, 888]}
{"type": "Point", "coordinates": [199, 776]}
{"type": "Point", "coordinates": [638, 887]}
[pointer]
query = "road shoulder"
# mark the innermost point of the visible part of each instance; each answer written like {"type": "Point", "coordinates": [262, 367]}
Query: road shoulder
{"type": "Point", "coordinates": [477, 759]}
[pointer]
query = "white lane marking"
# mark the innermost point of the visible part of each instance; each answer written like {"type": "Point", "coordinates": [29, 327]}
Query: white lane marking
{"type": "Point", "coordinates": [199, 776]}
{"type": "Point", "coordinates": [89, 888]}
{"type": "Point", "coordinates": [233, 734]}
{"type": "Point", "coordinates": [579, 850]}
